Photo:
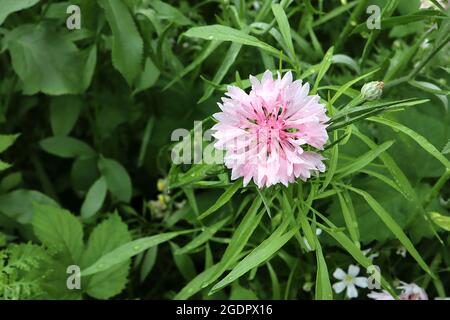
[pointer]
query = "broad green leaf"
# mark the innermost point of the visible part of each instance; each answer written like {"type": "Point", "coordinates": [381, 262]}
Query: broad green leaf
{"type": "Point", "coordinates": [183, 262]}
{"type": "Point", "coordinates": [127, 49]}
{"type": "Point", "coordinates": [59, 230]}
{"type": "Point", "coordinates": [4, 165]}
{"type": "Point", "coordinates": [223, 199]}
{"type": "Point", "coordinates": [46, 61]}
{"type": "Point", "coordinates": [104, 285]}
{"type": "Point", "coordinates": [441, 220]}
{"type": "Point", "coordinates": [128, 250]}
{"type": "Point", "coordinates": [117, 178]}
{"type": "Point", "coordinates": [166, 11]}
{"type": "Point", "coordinates": [228, 60]}
{"type": "Point", "coordinates": [394, 227]}
{"type": "Point", "coordinates": [224, 33]}
{"type": "Point", "coordinates": [259, 255]}
{"type": "Point", "coordinates": [10, 6]}
{"type": "Point", "coordinates": [18, 204]}
{"type": "Point", "coordinates": [363, 161]}
{"type": "Point", "coordinates": [7, 140]}
{"type": "Point", "coordinates": [203, 237]}
{"type": "Point", "coordinates": [94, 198]}
{"type": "Point", "coordinates": [66, 147]}
{"type": "Point", "coordinates": [64, 113]}
{"type": "Point", "coordinates": [422, 141]}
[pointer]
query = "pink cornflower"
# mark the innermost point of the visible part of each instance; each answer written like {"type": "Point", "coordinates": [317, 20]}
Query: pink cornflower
{"type": "Point", "coordinates": [264, 133]}
{"type": "Point", "coordinates": [409, 291]}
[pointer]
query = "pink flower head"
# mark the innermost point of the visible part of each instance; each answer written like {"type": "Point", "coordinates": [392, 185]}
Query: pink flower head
{"type": "Point", "coordinates": [409, 291]}
{"type": "Point", "coordinates": [264, 132]}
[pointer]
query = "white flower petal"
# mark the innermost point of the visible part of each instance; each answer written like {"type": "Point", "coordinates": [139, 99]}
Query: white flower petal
{"type": "Point", "coordinates": [351, 291]}
{"type": "Point", "coordinates": [360, 282]}
{"type": "Point", "coordinates": [339, 274]}
{"type": "Point", "coordinates": [353, 270]}
{"type": "Point", "coordinates": [338, 287]}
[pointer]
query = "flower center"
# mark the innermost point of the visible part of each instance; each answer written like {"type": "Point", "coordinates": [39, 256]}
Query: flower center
{"type": "Point", "coordinates": [348, 279]}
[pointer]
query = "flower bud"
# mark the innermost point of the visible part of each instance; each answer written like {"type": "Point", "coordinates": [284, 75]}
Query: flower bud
{"type": "Point", "coordinates": [161, 185]}
{"type": "Point", "coordinates": [372, 90]}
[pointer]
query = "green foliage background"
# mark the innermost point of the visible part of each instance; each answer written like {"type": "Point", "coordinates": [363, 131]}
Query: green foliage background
{"type": "Point", "coordinates": [86, 117]}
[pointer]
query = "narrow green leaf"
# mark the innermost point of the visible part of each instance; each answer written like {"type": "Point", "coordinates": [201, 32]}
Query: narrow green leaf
{"type": "Point", "coordinates": [349, 218]}
{"type": "Point", "coordinates": [259, 255]}
{"type": "Point", "coordinates": [323, 285]}
{"type": "Point", "coordinates": [128, 250]}
{"type": "Point", "coordinates": [363, 160]}
{"type": "Point", "coordinates": [228, 60]}
{"type": "Point", "coordinates": [422, 141]}
{"type": "Point", "coordinates": [283, 24]}
{"type": "Point", "coordinates": [276, 292]}
{"type": "Point", "coordinates": [394, 227]}
{"type": "Point", "coordinates": [224, 33]}
{"type": "Point", "coordinates": [441, 220]}
{"type": "Point", "coordinates": [203, 237]}
{"type": "Point", "coordinates": [324, 66]}
{"type": "Point", "coordinates": [223, 199]}
{"type": "Point", "coordinates": [346, 86]}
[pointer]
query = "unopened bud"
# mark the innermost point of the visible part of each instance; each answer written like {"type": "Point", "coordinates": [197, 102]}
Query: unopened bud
{"type": "Point", "coordinates": [372, 90]}
{"type": "Point", "coordinates": [161, 185]}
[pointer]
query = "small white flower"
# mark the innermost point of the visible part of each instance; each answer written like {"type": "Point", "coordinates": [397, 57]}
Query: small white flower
{"type": "Point", "coordinates": [308, 286]}
{"type": "Point", "coordinates": [384, 295]}
{"type": "Point", "coordinates": [425, 4]}
{"type": "Point", "coordinates": [318, 233]}
{"type": "Point", "coordinates": [371, 256]}
{"type": "Point", "coordinates": [425, 43]}
{"type": "Point", "coordinates": [349, 281]}
{"type": "Point", "coordinates": [401, 251]}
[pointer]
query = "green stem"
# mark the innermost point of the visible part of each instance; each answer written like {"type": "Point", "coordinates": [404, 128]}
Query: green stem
{"type": "Point", "coordinates": [436, 188]}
